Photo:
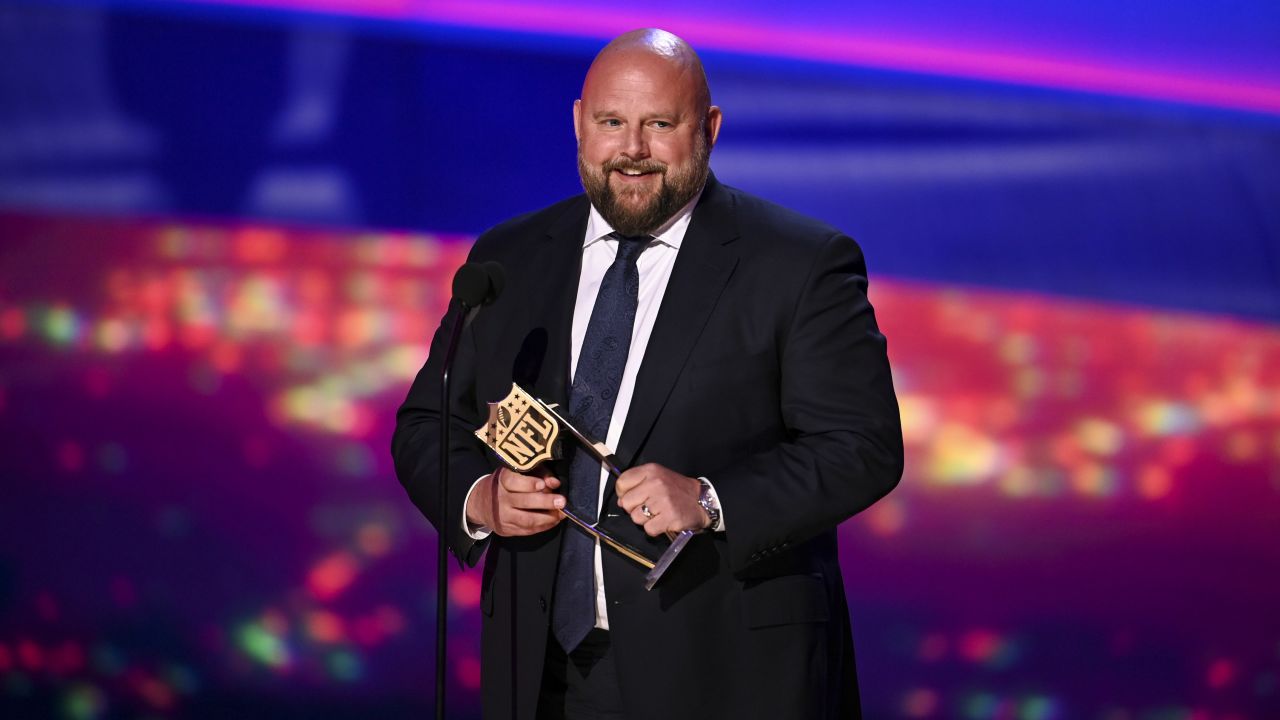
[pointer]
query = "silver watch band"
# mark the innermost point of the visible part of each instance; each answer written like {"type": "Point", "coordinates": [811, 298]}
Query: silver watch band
{"type": "Point", "coordinates": [708, 503]}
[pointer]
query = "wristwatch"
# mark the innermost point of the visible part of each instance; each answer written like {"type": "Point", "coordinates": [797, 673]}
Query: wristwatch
{"type": "Point", "coordinates": [708, 503]}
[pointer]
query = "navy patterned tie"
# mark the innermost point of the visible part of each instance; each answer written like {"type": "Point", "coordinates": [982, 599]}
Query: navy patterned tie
{"type": "Point", "coordinates": [595, 388]}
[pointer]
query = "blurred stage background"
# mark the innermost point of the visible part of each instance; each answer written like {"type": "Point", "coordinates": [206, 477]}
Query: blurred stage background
{"type": "Point", "coordinates": [228, 230]}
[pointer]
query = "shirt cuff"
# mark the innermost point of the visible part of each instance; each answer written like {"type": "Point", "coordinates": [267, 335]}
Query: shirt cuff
{"type": "Point", "coordinates": [715, 498]}
{"type": "Point", "coordinates": [478, 532]}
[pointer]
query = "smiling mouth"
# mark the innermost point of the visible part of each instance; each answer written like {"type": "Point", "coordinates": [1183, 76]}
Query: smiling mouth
{"type": "Point", "coordinates": [635, 173]}
{"type": "Point", "coordinates": [632, 172]}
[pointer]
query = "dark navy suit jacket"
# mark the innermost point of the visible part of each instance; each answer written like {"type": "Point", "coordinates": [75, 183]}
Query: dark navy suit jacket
{"type": "Point", "coordinates": [767, 374]}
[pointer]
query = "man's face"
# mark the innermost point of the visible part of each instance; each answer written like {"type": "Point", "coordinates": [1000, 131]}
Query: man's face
{"type": "Point", "coordinates": [643, 139]}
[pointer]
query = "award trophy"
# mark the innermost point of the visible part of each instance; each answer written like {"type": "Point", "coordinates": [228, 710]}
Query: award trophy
{"type": "Point", "coordinates": [522, 431]}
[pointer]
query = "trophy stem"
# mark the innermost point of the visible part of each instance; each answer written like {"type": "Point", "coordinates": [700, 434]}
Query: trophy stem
{"type": "Point", "coordinates": [621, 547]}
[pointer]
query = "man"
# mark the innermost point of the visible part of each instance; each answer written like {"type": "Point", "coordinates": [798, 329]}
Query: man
{"type": "Point", "coordinates": [725, 348]}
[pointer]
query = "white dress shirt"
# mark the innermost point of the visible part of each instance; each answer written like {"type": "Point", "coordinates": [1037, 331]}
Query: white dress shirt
{"type": "Point", "coordinates": [654, 265]}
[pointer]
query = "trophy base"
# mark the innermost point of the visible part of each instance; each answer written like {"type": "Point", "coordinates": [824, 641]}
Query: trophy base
{"type": "Point", "coordinates": [668, 556]}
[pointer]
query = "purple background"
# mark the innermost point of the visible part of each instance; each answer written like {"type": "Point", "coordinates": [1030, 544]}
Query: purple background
{"type": "Point", "coordinates": [227, 233]}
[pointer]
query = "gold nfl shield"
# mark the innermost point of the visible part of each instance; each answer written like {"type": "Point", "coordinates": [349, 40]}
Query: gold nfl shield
{"type": "Point", "coordinates": [520, 430]}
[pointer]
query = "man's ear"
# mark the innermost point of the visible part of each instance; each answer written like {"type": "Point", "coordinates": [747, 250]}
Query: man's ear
{"type": "Point", "coordinates": [577, 119]}
{"type": "Point", "coordinates": [713, 125]}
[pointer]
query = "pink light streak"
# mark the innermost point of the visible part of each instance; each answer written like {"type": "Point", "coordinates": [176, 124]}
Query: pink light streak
{"type": "Point", "coordinates": [834, 46]}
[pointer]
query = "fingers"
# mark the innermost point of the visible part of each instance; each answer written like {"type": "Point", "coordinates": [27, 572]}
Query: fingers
{"type": "Point", "coordinates": [632, 500]}
{"type": "Point", "coordinates": [525, 504]}
{"type": "Point", "coordinates": [516, 483]}
{"type": "Point", "coordinates": [535, 501]}
{"type": "Point", "coordinates": [670, 498]}
{"type": "Point", "coordinates": [663, 523]}
{"type": "Point", "coordinates": [515, 522]}
{"type": "Point", "coordinates": [657, 526]}
{"type": "Point", "coordinates": [628, 485]}
{"type": "Point", "coordinates": [638, 517]}
{"type": "Point", "coordinates": [629, 479]}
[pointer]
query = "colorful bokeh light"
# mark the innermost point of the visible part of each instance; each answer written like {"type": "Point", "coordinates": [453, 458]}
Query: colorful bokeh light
{"type": "Point", "coordinates": [1082, 479]}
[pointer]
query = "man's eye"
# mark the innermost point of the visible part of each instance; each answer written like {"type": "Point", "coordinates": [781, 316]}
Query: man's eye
{"type": "Point", "coordinates": [662, 124]}
{"type": "Point", "coordinates": [612, 122]}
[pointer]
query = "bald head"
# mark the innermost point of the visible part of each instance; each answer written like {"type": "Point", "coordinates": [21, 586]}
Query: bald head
{"type": "Point", "coordinates": [658, 45]}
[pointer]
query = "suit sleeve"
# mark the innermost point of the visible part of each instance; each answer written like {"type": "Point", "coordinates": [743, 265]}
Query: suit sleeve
{"type": "Point", "coordinates": [843, 448]}
{"type": "Point", "coordinates": [416, 441]}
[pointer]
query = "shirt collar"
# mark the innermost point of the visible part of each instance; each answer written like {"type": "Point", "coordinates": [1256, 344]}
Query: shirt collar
{"type": "Point", "coordinates": [671, 233]}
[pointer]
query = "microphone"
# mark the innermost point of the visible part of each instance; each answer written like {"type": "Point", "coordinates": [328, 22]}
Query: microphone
{"type": "Point", "coordinates": [475, 285]}
{"type": "Point", "coordinates": [497, 280]}
{"type": "Point", "coordinates": [478, 284]}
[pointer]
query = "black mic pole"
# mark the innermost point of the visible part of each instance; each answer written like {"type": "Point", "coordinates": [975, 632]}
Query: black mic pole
{"type": "Point", "coordinates": [474, 285]}
{"type": "Point", "coordinates": [442, 546]}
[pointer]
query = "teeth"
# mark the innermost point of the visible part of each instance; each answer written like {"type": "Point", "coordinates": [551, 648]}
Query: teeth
{"type": "Point", "coordinates": [632, 172]}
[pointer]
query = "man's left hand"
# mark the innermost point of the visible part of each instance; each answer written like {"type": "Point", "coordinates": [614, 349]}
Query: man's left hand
{"type": "Point", "coordinates": [670, 498]}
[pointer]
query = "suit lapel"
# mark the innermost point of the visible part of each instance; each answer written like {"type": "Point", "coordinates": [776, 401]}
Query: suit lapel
{"type": "Point", "coordinates": [554, 273]}
{"type": "Point", "coordinates": [702, 268]}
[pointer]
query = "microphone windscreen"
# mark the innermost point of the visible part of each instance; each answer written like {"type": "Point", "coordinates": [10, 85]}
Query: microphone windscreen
{"type": "Point", "coordinates": [497, 280]}
{"type": "Point", "coordinates": [471, 285]}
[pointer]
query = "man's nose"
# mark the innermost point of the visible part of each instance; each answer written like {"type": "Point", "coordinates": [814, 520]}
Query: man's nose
{"type": "Point", "coordinates": [636, 146]}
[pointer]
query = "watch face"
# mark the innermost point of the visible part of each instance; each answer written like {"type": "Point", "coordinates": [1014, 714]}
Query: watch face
{"type": "Point", "coordinates": [709, 507]}
{"type": "Point", "coordinates": [707, 501]}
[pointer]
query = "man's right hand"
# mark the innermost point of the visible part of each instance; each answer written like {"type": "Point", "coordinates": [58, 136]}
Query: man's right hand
{"type": "Point", "coordinates": [513, 504]}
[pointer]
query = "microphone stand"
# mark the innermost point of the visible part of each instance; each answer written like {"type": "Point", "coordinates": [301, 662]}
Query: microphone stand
{"type": "Point", "coordinates": [442, 546]}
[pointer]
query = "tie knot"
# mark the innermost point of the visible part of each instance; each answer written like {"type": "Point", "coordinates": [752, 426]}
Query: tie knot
{"type": "Point", "coordinates": [629, 246]}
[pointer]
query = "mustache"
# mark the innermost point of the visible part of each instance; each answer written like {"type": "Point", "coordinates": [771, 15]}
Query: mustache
{"type": "Point", "coordinates": [644, 166]}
